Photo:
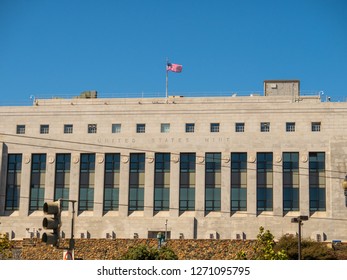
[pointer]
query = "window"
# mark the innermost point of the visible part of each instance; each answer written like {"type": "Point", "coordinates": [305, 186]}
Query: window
{"type": "Point", "coordinates": [111, 182]}
{"type": "Point", "coordinates": [92, 128]}
{"type": "Point", "coordinates": [165, 128]}
{"type": "Point", "coordinates": [212, 182]}
{"type": "Point", "coordinates": [37, 181]}
{"type": "Point", "coordinates": [238, 182]}
{"type": "Point", "coordinates": [214, 127]}
{"type": "Point", "coordinates": [187, 182]}
{"type": "Point", "coordinates": [264, 182]}
{"type": "Point", "coordinates": [87, 182]}
{"type": "Point", "coordinates": [317, 182]}
{"type": "Point", "coordinates": [20, 129]}
{"type": "Point", "coordinates": [136, 182]}
{"type": "Point", "coordinates": [239, 127]}
{"type": "Point", "coordinates": [315, 126]}
{"type": "Point", "coordinates": [13, 181]}
{"type": "Point", "coordinates": [140, 128]}
{"type": "Point", "coordinates": [265, 127]}
{"type": "Point", "coordinates": [68, 128]}
{"type": "Point", "coordinates": [62, 178]}
{"type": "Point", "coordinates": [116, 128]}
{"type": "Point", "coordinates": [190, 127]}
{"type": "Point", "coordinates": [162, 182]}
{"type": "Point", "coordinates": [290, 178]}
{"type": "Point", "coordinates": [44, 129]}
{"type": "Point", "coordinates": [290, 126]}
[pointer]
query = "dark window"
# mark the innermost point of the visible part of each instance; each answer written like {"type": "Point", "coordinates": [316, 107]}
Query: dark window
{"type": "Point", "coordinates": [212, 182]}
{"type": "Point", "coordinates": [290, 178]}
{"type": "Point", "coordinates": [13, 181]}
{"type": "Point", "coordinates": [317, 181]}
{"type": "Point", "coordinates": [162, 182]}
{"type": "Point", "coordinates": [141, 128]}
{"type": "Point", "coordinates": [44, 129]}
{"type": "Point", "coordinates": [116, 128]}
{"type": "Point", "coordinates": [165, 128]}
{"type": "Point", "coordinates": [214, 127]}
{"type": "Point", "coordinates": [20, 129]}
{"type": "Point", "coordinates": [87, 182]}
{"type": "Point", "coordinates": [315, 126]}
{"type": "Point", "coordinates": [264, 182]}
{"type": "Point", "coordinates": [187, 182]}
{"type": "Point", "coordinates": [37, 181]}
{"type": "Point", "coordinates": [92, 128]}
{"type": "Point", "coordinates": [68, 128]}
{"type": "Point", "coordinates": [238, 181]}
{"type": "Point", "coordinates": [62, 178]}
{"type": "Point", "coordinates": [290, 126]}
{"type": "Point", "coordinates": [111, 182]}
{"type": "Point", "coordinates": [239, 127]}
{"type": "Point", "coordinates": [190, 127]}
{"type": "Point", "coordinates": [265, 127]}
{"type": "Point", "coordinates": [136, 182]}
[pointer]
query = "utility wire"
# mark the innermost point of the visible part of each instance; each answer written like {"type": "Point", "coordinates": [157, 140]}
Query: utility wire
{"type": "Point", "coordinates": [262, 214]}
{"type": "Point", "coordinates": [80, 149]}
{"type": "Point", "coordinates": [141, 150]}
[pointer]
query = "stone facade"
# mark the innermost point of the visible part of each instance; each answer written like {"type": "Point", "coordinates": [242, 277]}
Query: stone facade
{"type": "Point", "coordinates": [81, 126]}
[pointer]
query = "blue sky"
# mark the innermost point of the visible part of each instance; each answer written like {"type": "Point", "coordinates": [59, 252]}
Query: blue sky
{"type": "Point", "coordinates": [56, 48]}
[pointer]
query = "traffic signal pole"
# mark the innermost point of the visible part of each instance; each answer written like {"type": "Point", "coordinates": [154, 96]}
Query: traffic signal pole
{"type": "Point", "coordinates": [72, 240]}
{"type": "Point", "coordinates": [54, 223]}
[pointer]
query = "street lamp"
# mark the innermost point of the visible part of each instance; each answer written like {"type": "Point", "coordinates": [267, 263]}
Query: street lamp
{"type": "Point", "coordinates": [344, 186]}
{"type": "Point", "coordinates": [299, 220]}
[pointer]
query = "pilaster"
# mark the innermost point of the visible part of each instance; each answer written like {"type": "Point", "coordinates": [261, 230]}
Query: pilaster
{"type": "Point", "coordinates": [149, 185]}
{"type": "Point", "coordinates": [124, 184]}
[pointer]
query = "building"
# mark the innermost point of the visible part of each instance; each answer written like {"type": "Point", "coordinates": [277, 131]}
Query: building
{"type": "Point", "coordinates": [194, 167]}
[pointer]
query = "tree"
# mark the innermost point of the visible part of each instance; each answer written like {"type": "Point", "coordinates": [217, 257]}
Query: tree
{"type": "Point", "coordinates": [5, 247]}
{"type": "Point", "coordinates": [265, 245]}
{"type": "Point", "coordinates": [264, 248]}
{"type": "Point", "coordinates": [143, 252]}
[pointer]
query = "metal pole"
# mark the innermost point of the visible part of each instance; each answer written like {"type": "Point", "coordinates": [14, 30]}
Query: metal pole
{"type": "Point", "coordinates": [299, 240]}
{"type": "Point", "coordinates": [167, 80]}
{"type": "Point", "coordinates": [72, 241]}
{"type": "Point", "coordinates": [167, 85]}
{"type": "Point", "coordinates": [165, 230]}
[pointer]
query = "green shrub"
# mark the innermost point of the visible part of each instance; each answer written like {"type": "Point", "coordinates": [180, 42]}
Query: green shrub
{"type": "Point", "coordinates": [264, 248]}
{"type": "Point", "coordinates": [5, 247]}
{"type": "Point", "coordinates": [310, 250]}
{"type": "Point", "coordinates": [265, 245]}
{"type": "Point", "coordinates": [143, 252]}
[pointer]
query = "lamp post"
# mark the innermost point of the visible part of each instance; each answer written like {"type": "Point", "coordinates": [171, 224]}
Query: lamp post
{"type": "Point", "coordinates": [299, 220]}
{"type": "Point", "coordinates": [344, 186]}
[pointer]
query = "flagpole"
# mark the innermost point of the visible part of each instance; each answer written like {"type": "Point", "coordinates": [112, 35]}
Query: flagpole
{"type": "Point", "coordinates": [167, 80]}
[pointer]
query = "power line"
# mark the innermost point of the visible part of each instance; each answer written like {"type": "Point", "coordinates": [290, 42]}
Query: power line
{"type": "Point", "coordinates": [258, 214]}
{"type": "Point", "coordinates": [142, 150]}
{"type": "Point", "coordinates": [95, 145]}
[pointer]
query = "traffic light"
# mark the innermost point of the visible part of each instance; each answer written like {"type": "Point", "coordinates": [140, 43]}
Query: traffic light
{"type": "Point", "coordinates": [53, 222]}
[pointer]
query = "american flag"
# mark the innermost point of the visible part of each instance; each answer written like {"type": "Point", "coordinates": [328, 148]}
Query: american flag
{"type": "Point", "coordinates": [174, 67]}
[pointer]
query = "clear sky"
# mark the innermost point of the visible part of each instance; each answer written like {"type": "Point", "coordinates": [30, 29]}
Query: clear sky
{"type": "Point", "coordinates": [64, 47]}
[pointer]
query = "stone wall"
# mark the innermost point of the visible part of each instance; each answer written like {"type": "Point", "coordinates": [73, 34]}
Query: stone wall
{"type": "Point", "coordinates": [105, 249]}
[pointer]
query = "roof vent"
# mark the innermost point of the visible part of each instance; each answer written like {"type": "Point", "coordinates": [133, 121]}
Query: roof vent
{"type": "Point", "coordinates": [89, 94]}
